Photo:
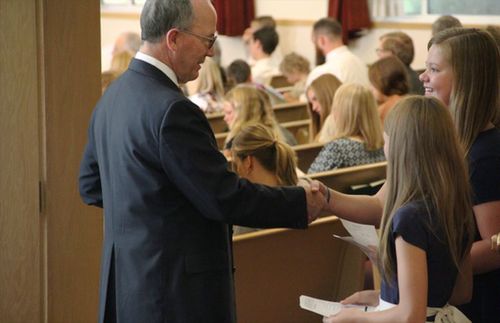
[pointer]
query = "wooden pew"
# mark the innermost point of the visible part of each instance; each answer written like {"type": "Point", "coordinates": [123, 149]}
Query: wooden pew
{"type": "Point", "coordinates": [306, 154]}
{"type": "Point", "coordinates": [275, 266]}
{"type": "Point", "coordinates": [284, 112]}
{"type": "Point", "coordinates": [345, 179]}
{"type": "Point", "coordinates": [216, 121]}
{"type": "Point", "coordinates": [300, 129]}
{"type": "Point", "coordinates": [292, 111]}
{"type": "Point", "coordinates": [279, 81]}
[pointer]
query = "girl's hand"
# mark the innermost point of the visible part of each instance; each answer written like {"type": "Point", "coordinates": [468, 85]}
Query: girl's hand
{"type": "Point", "coordinates": [346, 315]}
{"type": "Point", "coordinates": [365, 297]}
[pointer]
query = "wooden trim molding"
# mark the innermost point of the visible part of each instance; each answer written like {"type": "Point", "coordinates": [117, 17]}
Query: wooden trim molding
{"type": "Point", "coordinates": [120, 15]}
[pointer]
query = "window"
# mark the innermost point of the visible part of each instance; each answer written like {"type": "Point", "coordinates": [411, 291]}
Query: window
{"type": "Point", "coordinates": [452, 7]}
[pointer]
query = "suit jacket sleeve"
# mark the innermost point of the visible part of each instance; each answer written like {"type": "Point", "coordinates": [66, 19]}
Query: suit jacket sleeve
{"type": "Point", "coordinates": [190, 158]}
{"type": "Point", "coordinates": [90, 180]}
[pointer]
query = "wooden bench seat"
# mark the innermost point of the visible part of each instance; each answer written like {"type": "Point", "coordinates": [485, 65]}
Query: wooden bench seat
{"type": "Point", "coordinates": [275, 266]}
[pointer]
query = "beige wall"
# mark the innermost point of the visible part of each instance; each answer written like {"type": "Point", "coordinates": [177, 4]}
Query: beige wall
{"type": "Point", "coordinates": [295, 19]}
{"type": "Point", "coordinates": [295, 35]}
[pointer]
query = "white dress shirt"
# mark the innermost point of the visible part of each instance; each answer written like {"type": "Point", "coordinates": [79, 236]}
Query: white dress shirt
{"type": "Point", "coordinates": [342, 63]}
{"type": "Point", "coordinates": [161, 66]}
{"type": "Point", "coordinates": [263, 70]}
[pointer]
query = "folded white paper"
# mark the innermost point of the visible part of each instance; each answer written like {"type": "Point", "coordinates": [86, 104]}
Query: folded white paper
{"type": "Point", "coordinates": [326, 308]}
{"type": "Point", "coordinates": [362, 234]}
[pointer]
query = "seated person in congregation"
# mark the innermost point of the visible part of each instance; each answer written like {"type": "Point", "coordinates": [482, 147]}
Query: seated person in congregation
{"type": "Point", "coordinates": [246, 104]}
{"type": "Point", "coordinates": [295, 68]}
{"type": "Point", "coordinates": [256, 24]}
{"type": "Point", "coordinates": [262, 45]}
{"type": "Point", "coordinates": [320, 98]}
{"type": "Point", "coordinates": [445, 22]}
{"type": "Point", "coordinates": [209, 92]}
{"type": "Point", "coordinates": [389, 83]}
{"type": "Point", "coordinates": [261, 157]}
{"type": "Point", "coordinates": [399, 44]}
{"type": "Point", "coordinates": [239, 72]}
{"type": "Point", "coordinates": [358, 131]}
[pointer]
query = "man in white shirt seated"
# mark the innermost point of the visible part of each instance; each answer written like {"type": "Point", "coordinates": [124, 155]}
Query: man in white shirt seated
{"type": "Point", "coordinates": [256, 24]}
{"type": "Point", "coordinates": [340, 61]}
{"type": "Point", "coordinates": [262, 45]}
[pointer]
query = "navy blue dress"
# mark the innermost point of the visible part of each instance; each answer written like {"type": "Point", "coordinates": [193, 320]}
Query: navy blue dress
{"type": "Point", "coordinates": [484, 167]}
{"type": "Point", "coordinates": [422, 229]}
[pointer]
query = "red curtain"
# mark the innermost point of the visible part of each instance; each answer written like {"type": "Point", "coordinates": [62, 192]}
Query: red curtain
{"type": "Point", "coordinates": [233, 16]}
{"type": "Point", "coordinates": [352, 14]}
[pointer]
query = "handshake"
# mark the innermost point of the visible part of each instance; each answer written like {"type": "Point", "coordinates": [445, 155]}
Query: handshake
{"type": "Point", "coordinates": [317, 196]}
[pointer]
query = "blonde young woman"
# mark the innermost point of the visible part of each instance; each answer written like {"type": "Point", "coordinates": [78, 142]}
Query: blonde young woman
{"type": "Point", "coordinates": [245, 104]}
{"type": "Point", "coordinates": [427, 223]}
{"type": "Point", "coordinates": [463, 67]}
{"type": "Point", "coordinates": [358, 131]}
{"type": "Point", "coordinates": [210, 88]}
{"type": "Point", "coordinates": [261, 157]}
{"type": "Point", "coordinates": [320, 97]}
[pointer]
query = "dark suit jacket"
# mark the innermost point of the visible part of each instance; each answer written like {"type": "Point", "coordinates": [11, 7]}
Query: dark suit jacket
{"type": "Point", "coordinates": [152, 163]}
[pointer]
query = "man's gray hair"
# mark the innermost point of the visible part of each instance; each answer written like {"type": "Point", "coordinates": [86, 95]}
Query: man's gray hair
{"type": "Point", "coordinates": [159, 16]}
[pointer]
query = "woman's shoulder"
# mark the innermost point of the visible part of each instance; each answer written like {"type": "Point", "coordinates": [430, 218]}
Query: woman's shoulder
{"type": "Point", "coordinates": [412, 212]}
{"type": "Point", "coordinates": [487, 143]}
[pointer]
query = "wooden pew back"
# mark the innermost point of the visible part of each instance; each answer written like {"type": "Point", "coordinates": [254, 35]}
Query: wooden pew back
{"type": "Point", "coordinates": [216, 121]}
{"type": "Point", "coordinates": [284, 112]}
{"type": "Point", "coordinates": [301, 130]}
{"type": "Point", "coordinates": [274, 267]}
{"type": "Point", "coordinates": [279, 81]}
{"type": "Point", "coordinates": [306, 154]}
{"type": "Point", "coordinates": [343, 179]}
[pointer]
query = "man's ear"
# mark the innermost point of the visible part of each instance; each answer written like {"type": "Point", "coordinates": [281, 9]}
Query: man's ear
{"type": "Point", "coordinates": [259, 44]}
{"type": "Point", "coordinates": [320, 41]}
{"type": "Point", "coordinates": [171, 39]}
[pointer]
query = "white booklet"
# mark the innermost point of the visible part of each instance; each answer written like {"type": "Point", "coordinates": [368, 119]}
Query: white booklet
{"type": "Point", "coordinates": [327, 308]}
{"type": "Point", "coordinates": [362, 235]}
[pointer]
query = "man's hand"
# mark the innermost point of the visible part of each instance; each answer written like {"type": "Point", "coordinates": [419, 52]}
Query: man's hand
{"type": "Point", "coordinates": [316, 200]}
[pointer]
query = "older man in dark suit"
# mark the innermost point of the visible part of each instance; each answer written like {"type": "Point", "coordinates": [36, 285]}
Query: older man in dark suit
{"type": "Point", "coordinates": [152, 163]}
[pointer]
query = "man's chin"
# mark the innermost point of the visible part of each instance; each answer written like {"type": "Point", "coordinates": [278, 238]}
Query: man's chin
{"type": "Point", "coordinates": [192, 77]}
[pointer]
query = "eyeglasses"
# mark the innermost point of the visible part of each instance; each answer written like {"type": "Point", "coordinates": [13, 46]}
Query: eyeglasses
{"type": "Point", "coordinates": [210, 40]}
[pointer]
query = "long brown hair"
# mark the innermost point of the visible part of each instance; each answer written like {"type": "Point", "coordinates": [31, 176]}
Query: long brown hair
{"type": "Point", "coordinates": [425, 163]}
{"type": "Point", "coordinates": [389, 76]}
{"type": "Point", "coordinates": [475, 60]}
{"type": "Point", "coordinates": [324, 88]}
{"type": "Point", "coordinates": [273, 154]}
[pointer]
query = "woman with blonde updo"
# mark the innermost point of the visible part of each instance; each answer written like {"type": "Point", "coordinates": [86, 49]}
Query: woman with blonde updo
{"type": "Point", "coordinates": [261, 157]}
